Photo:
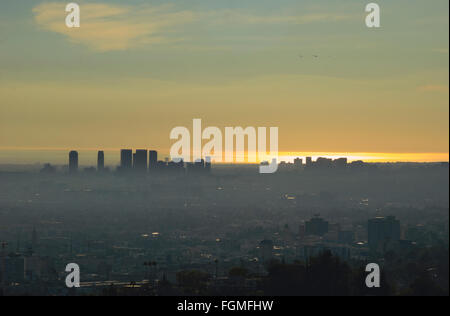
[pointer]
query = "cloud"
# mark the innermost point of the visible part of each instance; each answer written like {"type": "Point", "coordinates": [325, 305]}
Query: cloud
{"type": "Point", "coordinates": [106, 27]}
{"type": "Point", "coordinates": [434, 88]}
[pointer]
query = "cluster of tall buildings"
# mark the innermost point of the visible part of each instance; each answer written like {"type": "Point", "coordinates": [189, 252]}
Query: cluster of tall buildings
{"type": "Point", "coordinates": [141, 161]}
{"type": "Point", "coordinates": [316, 226]}
{"type": "Point", "coordinates": [382, 232]}
{"type": "Point", "coordinates": [320, 163]}
{"type": "Point", "coordinates": [323, 163]}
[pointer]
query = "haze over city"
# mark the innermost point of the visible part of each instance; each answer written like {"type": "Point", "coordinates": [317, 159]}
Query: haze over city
{"type": "Point", "coordinates": [95, 200]}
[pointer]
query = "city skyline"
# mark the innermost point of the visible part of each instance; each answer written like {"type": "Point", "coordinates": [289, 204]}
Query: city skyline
{"type": "Point", "coordinates": [89, 156]}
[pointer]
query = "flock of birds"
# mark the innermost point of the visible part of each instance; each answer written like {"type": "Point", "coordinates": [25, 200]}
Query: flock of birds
{"type": "Point", "coordinates": [314, 56]}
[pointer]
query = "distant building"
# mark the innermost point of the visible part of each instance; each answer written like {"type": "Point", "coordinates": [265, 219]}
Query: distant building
{"type": "Point", "coordinates": [340, 162]}
{"type": "Point", "coordinates": [14, 268]}
{"type": "Point", "coordinates": [89, 170]}
{"type": "Point", "coordinates": [346, 237]}
{"type": "Point", "coordinates": [48, 168]}
{"type": "Point", "coordinates": [317, 226]}
{"type": "Point", "coordinates": [357, 164]}
{"type": "Point", "coordinates": [161, 165]}
{"type": "Point", "coordinates": [141, 159]}
{"type": "Point", "coordinates": [382, 230]}
{"type": "Point", "coordinates": [153, 159]}
{"type": "Point", "coordinates": [324, 163]}
{"type": "Point", "coordinates": [200, 163]}
{"type": "Point", "coordinates": [308, 161]}
{"type": "Point", "coordinates": [73, 161]}
{"type": "Point", "coordinates": [39, 268]}
{"type": "Point", "coordinates": [126, 159]}
{"type": "Point", "coordinates": [343, 252]}
{"type": "Point", "coordinates": [200, 166]}
{"type": "Point", "coordinates": [100, 161]}
{"type": "Point", "coordinates": [301, 231]}
{"type": "Point", "coordinates": [298, 162]}
{"type": "Point", "coordinates": [208, 164]}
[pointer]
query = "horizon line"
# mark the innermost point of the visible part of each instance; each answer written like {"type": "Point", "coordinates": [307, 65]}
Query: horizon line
{"type": "Point", "coordinates": [287, 156]}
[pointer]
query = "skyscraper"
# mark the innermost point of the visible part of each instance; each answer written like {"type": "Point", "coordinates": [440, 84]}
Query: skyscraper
{"type": "Point", "coordinates": [340, 162]}
{"type": "Point", "coordinates": [73, 161]}
{"type": "Point", "coordinates": [324, 163]}
{"type": "Point", "coordinates": [153, 159]}
{"type": "Point", "coordinates": [126, 159]}
{"type": "Point", "coordinates": [382, 230]}
{"type": "Point", "coordinates": [308, 161]}
{"type": "Point", "coordinates": [141, 159]}
{"type": "Point", "coordinates": [317, 226]}
{"type": "Point", "coordinates": [100, 161]}
{"type": "Point", "coordinates": [298, 162]}
{"type": "Point", "coordinates": [208, 164]}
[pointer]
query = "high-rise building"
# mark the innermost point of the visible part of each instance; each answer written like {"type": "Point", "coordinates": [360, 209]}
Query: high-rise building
{"type": "Point", "coordinates": [153, 159]}
{"type": "Point", "coordinates": [308, 161]}
{"type": "Point", "coordinates": [301, 231]}
{"type": "Point", "coordinates": [126, 158]}
{"type": "Point", "coordinates": [200, 163]}
{"type": "Point", "coordinates": [73, 161]}
{"type": "Point", "coordinates": [340, 162]}
{"type": "Point", "coordinates": [141, 157]}
{"type": "Point", "coordinates": [100, 161]}
{"type": "Point", "coordinates": [208, 164]}
{"type": "Point", "coordinates": [382, 230]}
{"type": "Point", "coordinates": [324, 163]}
{"type": "Point", "coordinates": [198, 167]}
{"type": "Point", "coordinates": [298, 162]}
{"type": "Point", "coordinates": [346, 236]}
{"type": "Point", "coordinates": [317, 226]}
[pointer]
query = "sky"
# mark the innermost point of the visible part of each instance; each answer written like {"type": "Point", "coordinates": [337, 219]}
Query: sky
{"type": "Point", "coordinates": [136, 69]}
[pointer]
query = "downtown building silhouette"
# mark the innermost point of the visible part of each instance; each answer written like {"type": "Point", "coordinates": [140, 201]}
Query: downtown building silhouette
{"type": "Point", "coordinates": [73, 161]}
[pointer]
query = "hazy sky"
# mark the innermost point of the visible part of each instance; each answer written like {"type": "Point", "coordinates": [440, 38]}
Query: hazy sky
{"type": "Point", "coordinates": [136, 69]}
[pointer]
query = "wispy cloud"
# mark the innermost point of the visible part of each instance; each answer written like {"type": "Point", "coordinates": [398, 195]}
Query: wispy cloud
{"type": "Point", "coordinates": [106, 27]}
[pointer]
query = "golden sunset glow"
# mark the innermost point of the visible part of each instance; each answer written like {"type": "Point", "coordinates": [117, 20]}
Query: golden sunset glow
{"type": "Point", "coordinates": [373, 157]}
{"type": "Point", "coordinates": [132, 72]}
